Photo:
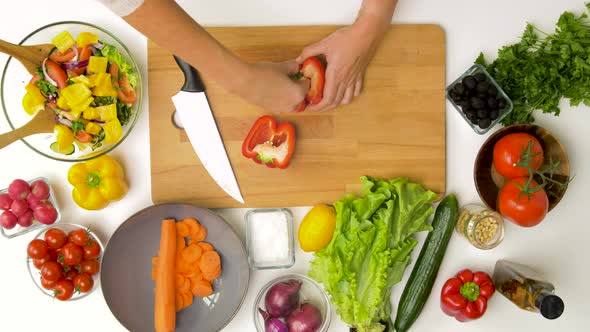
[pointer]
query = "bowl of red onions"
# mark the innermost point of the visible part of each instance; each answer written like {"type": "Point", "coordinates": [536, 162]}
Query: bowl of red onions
{"type": "Point", "coordinates": [292, 303]}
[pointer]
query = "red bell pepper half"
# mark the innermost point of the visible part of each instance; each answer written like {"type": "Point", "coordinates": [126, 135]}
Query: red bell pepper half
{"type": "Point", "coordinates": [313, 69]}
{"type": "Point", "coordinates": [270, 143]}
{"type": "Point", "coordinates": [466, 296]}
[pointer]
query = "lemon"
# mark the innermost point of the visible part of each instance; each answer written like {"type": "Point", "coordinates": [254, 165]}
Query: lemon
{"type": "Point", "coordinates": [317, 228]}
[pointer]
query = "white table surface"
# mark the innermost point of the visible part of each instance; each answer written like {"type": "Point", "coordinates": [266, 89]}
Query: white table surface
{"type": "Point", "coordinates": [557, 247]}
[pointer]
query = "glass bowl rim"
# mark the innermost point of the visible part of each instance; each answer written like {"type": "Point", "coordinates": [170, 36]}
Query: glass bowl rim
{"type": "Point", "coordinates": [138, 88]}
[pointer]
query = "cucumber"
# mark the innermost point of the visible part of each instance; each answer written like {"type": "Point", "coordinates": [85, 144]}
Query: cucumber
{"type": "Point", "coordinates": [424, 273]}
{"type": "Point", "coordinates": [66, 152]}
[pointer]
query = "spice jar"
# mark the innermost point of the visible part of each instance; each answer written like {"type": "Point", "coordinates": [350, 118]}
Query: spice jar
{"type": "Point", "coordinates": [482, 227]}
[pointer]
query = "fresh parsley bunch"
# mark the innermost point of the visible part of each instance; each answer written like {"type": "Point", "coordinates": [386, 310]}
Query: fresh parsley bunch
{"type": "Point", "coordinates": [543, 68]}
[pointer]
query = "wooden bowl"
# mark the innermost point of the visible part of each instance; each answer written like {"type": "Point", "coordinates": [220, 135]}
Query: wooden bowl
{"type": "Point", "coordinates": [488, 182]}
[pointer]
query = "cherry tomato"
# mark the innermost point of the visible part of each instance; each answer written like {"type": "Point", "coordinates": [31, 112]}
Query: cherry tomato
{"type": "Point", "coordinates": [91, 250]}
{"type": "Point", "coordinates": [55, 238]}
{"type": "Point", "coordinates": [51, 271]}
{"type": "Point", "coordinates": [83, 137]}
{"type": "Point", "coordinates": [72, 254]}
{"type": "Point", "coordinates": [83, 283]}
{"type": "Point", "coordinates": [508, 152]}
{"type": "Point", "coordinates": [56, 73]}
{"type": "Point", "coordinates": [58, 56]}
{"type": "Point", "coordinates": [63, 290]}
{"type": "Point", "coordinates": [49, 285]}
{"type": "Point", "coordinates": [71, 273]}
{"type": "Point", "coordinates": [51, 257]}
{"type": "Point", "coordinates": [37, 249]}
{"type": "Point", "coordinates": [520, 208]}
{"type": "Point", "coordinates": [80, 237]}
{"type": "Point", "coordinates": [83, 54]}
{"type": "Point", "coordinates": [91, 267]}
{"type": "Point", "coordinates": [71, 237]}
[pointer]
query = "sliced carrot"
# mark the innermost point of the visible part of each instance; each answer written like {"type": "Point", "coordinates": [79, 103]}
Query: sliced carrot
{"type": "Point", "coordinates": [192, 253]}
{"type": "Point", "coordinates": [210, 261]}
{"type": "Point", "coordinates": [193, 225]}
{"type": "Point", "coordinates": [187, 298]}
{"type": "Point", "coordinates": [180, 244]}
{"type": "Point", "coordinates": [206, 246]}
{"type": "Point", "coordinates": [182, 229]}
{"type": "Point", "coordinates": [193, 280]}
{"type": "Point", "coordinates": [210, 276]}
{"type": "Point", "coordinates": [184, 286]}
{"type": "Point", "coordinates": [202, 288]}
{"type": "Point", "coordinates": [179, 302]}
{"type": "Point", "coordinates": [199, 236]}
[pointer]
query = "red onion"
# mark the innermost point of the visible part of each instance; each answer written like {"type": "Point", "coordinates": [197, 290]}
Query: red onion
{"type": "Point", "coordinates": [75, 49]}
{"type": "Point", "coordinates": [74, 65]}
{"type": "Point", "coordinates": [306, 318]}
{"type": "Point", "coordinates": [282, 298]}
{"type": "Point", "coordinates": [98, 46]}
{"type": "Point", "coordinates": [47, 78]}
{"type": "Point", "coordinates": [272, 324]}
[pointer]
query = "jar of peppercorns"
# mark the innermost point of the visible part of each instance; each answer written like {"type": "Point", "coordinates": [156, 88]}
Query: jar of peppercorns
{"type": "Point", "coordinates": [482, 227]}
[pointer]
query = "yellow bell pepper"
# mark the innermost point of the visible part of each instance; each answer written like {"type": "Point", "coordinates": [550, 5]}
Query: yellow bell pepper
{"type": "Point", "coordinates": [76, 94]}
{"type": "Point", "coordinates": [97, 182]}
{"type": "Point", "coordinates": [91, 114]}
{"type": "Point", "coordinates": [62, 103]}
{"type": "Point", "coordinates": [85, 38]}
{"type": "Point", "coordinates": [107, 112]}
{"type": "Point", "coordinates": [64, 137]}
{"type": "Point", "coordinates": [97, 64]}
{"type": "Point", "coordinates": [84, 80]}
{"type": "Point", "coordinates": [93, 128]}
{"type": "Point", "coordinates": [63, 41]}
{"type": "Point", "coordinates": [33, 100]}
{"type": "Point", "coordinates": [103, 87]}
{"type": "Point", "coordinates": [112, 131]}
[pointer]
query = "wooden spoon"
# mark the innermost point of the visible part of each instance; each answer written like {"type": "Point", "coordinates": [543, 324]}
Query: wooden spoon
{"type": "Point", "coordinates": [30, 56]}
{"type": "Point", "coordinates": [42, 122]}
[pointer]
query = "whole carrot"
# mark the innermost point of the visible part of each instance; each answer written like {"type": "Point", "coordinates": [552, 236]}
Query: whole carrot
{"type": "Point", "coordinates": [165, 313]}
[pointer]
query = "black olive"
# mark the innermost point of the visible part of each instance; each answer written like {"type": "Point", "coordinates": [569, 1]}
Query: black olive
{"type": "Point", "coordinates": [483, 113]}
{"type": "Point", "coordinates": [456, 98]}
{"type": "Point", "coordinates": [494, 114]}
{"type": "Point", "coordinates": [482, 95]}
{"type": "Point", "coordinates": [492, 91]}
{"type": "Point", "coordinates": [480, 77]}
{"type": "Point", "coordinates": [476, 102]}
{"type": "Point", "coordinates": [484, 123]}
{"type": "Point", "coordinates": [464, 104]}
{"type": "Point", "coordinates": [483, 87]}
{"type": "Point", "coordinates": [459, 88]}
{"type": "Point", "coordinates": [501, 103]}
{"type": "Point", "coordinates": [469, 82]}
{"type": "Point", "coordinates": [492, 103]}
{"type": "Point", "coordinates": [472, 117]}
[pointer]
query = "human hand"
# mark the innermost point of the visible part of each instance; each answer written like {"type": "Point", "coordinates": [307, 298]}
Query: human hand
{"type": "Point", "coordinates": [348, 52]}
{"type": "Point", "coordinates": [270, 86]}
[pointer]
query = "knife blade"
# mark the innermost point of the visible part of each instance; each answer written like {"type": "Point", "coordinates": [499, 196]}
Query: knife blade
{"type": "Point", "coordinates": [198, 121]}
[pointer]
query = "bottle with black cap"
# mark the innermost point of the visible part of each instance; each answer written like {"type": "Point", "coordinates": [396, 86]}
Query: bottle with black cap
{"type": "Point", "coordinates": [526, 288]}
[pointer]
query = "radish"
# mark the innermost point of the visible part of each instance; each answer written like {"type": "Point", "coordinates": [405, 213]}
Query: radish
{"type": "Point", "coordinates": [8, 220]}
{"type": "Point", "coordinates": [5, 201]}
{"type": "Point", "coordinates": [19, 189]}
{"type": "Point", "coordinates": [40, 189]}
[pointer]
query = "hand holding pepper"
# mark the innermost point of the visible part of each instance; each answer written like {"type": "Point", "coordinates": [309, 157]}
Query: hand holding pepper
{"type": "Point", "coordinates": [466, 296]}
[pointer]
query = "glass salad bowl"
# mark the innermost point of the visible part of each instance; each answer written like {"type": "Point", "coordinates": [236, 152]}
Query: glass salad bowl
{"type": "Point", "coordinates": [15, 77]}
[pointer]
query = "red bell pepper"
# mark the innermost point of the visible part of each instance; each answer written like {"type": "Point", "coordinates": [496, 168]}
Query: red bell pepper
{"type": "Point", "coordinates": [466, 296]}
{"type": "Point", "coordinates": [270, 143]}
{"type": "Point", "coordinates": [313, 69]}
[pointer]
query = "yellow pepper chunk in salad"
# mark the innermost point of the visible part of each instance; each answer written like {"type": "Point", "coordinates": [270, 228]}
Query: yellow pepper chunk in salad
{"type": "Point", "coordinates": [63, 41]}
{"type": "Point", "coordinates": [97, 64]}
{"type": "Point", "coordinates": [86, 38]}
{"type": "Point", "coordinates": [33, 101]}
{"type": "Point", "coordinates": [103, 87]}
{"type": "Point", "coordinates": [112, 131]}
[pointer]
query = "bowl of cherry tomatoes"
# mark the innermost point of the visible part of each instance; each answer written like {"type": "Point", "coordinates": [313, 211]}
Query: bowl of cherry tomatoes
{"type": "Point", "coordinates": [522, 171]}
{"type": "Point", "coordinates": [64, 261]}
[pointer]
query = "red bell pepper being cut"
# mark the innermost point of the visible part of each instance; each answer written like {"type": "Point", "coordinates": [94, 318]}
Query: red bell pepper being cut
{"type": "Point", "coordinates": [466, 296]}
{"type": "Point", "coordinates": [313, 69]}
{"type": "Point", "coordinates": [270, 143]}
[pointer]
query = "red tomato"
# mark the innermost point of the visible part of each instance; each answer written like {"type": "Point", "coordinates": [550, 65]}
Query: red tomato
{"type": "Point", "coordinates": [51, 257]}
{"type": "Point", "coordinates": [58, 56]}
{"type": "Point", "coordinates": [91, 250]}
{"type": "Point", "coordinates": [71, 273]}
{"type": "Point", "coordinates": [63, 290]}
{"type": "Point", "coordinates": [34, 79]}
{"type": "Point", "coordinates": [80, 237]}
{"type": "Point", "coordinates": [47, 284]}
{"type": "Point", "coordinates": [520, 208]}
{"type": "Point", "coordinates": [91, 267]}
{"type": "Point", "coordinates": [125, 92]}
{"type": "Point", "coordinates": [55, 238]}
{"type": "Point", "coordinates": [51, 271]}
{"type": "Point", "coordinates": [37, 249]}
{"type": "Point", "coordinates": [84, 54]}
{"type": "Point", "coordinates": [508, 152]}
{"type": "Point", "coordinates": [56, 73]}
{"type": "Point", "coordinates": [83, 137]}
{"type": "Point", "coordinates": [72, 254]}
{"type": "Point", "coordinates": [83, 283]}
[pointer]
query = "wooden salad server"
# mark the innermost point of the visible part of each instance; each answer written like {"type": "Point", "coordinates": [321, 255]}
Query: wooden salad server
{"type": "Point", "coordinates": [30, 56]}
{"type": "Point", "coordinates": [42, 122]}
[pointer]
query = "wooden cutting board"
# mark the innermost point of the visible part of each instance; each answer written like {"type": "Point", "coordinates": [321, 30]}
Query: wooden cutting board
{"type": "Point", "coordinates": [395, 129]}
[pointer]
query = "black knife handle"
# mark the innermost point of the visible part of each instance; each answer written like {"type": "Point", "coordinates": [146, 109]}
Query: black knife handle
{"type": "Point", "coordinates": [192, 80]}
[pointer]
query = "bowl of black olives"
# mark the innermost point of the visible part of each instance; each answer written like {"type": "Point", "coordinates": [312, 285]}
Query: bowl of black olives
{"type": "Point", "coordinates": [479, 99]}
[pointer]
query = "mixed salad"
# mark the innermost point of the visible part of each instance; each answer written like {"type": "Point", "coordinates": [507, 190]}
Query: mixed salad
{"type": "Point", "coordinates": [89, 86]}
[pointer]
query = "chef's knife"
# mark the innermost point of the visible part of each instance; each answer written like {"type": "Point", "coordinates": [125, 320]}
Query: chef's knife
{"type": "Point", "coordinates": [198, 122]}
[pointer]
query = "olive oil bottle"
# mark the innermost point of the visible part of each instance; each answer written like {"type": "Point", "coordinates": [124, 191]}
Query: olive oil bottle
{"type": "Point", "coordinates": [525, 288]}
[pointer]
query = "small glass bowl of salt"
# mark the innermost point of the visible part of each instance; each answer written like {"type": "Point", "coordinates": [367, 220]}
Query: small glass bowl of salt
{"type": "Point", "coordinates": [269, 238]}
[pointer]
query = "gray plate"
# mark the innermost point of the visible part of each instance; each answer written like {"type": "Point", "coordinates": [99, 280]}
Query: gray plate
{"type": "Point", "coordinates": [127, 262]}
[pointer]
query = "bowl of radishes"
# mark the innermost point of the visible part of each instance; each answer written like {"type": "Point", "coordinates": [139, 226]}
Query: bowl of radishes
{"type": "Point", "coordinates": [26, 206]}
{"type": "Point", "coordinates": [292, 303]}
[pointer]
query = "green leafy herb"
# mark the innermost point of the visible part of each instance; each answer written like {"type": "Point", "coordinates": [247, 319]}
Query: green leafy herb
{"type": "Point", "coordinates": [39, 73]}
{"type": "Point", "coordinates": [77, 126]}
{"type": "Point", "coordinates": [110, 52]}
{"type": "Point", "coordinates": [371, 249]}
{"type": "Point", "coordinates": [97, 140]}
{"type": "Point", "coordinates": [46, 87]}
{"type": "Point", "coordinates": [124, 113]}
{"type": "Point", "coordinates": [101, 101]}
{"type": "Point", "coordinates": [543, 68]}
